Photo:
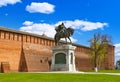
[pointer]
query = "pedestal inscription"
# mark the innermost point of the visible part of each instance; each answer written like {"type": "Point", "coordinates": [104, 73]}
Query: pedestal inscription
{"type": "Point", "coordinates": [63, 58]}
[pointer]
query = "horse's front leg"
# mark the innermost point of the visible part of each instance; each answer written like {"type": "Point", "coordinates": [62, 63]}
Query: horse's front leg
{"type": "Point", "coordinates": [70, 40]}
{"type": "Point", "coordinates": [66, 39]}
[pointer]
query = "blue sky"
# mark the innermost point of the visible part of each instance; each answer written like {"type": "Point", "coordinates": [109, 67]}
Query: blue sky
{"type": "Point", "coordinates": [85, 16]}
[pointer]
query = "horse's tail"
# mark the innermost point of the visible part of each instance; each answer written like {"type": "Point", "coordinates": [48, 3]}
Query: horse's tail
{"type": "Point", "coordinates": [71, 30]}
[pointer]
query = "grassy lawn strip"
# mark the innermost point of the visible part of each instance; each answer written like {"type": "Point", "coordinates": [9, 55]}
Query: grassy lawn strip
{"type": "Point", "coordinates": [43, 77]}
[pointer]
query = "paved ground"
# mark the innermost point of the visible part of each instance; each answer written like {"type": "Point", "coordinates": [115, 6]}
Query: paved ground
{"type": "Point", "coordinates": [78, 72]}
{"type": "Point", "coordinates": [103, 73]}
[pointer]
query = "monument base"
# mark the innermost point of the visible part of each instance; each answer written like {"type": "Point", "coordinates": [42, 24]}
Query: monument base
{"type": "Point", "coordinates": [63, 58]}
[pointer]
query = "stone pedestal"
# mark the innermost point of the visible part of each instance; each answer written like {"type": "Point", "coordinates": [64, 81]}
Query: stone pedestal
{"type": "Point", "coordinates": [63, 58]}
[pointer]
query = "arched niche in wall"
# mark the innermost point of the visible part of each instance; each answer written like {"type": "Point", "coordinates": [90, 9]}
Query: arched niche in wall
{"type": "Point", "coordinates": [60, 58]}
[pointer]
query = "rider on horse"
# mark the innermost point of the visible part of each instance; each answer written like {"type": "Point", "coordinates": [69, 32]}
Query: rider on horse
{"type": "Point", "coordinates": [63, 32]}
{"type": "Point", "coordinates": [61, 28]}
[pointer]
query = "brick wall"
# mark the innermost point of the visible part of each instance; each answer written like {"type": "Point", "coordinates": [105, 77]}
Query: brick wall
{"type": "Point", "coordinates": [37, 57]}
{"type": "Point", "coordinates": [24, 52]}
{"type": "Point", "coordinates": [109, 60]}
{"type": "Point", "coordinates": [10, 52]}
{"type": "Point", "coordinates": [29, 52]}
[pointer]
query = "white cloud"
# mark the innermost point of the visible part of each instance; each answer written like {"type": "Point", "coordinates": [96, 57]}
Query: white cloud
{"type": "Point", "coordinates": [84, 25]}
{"type": "Point", "coordinates": [49, 29]}
{"type": "Point", "coordinates": [72, 39]}
{"type": "Point", "coordinates": [39, 28]}
{"type": "Point", "coordinates": [92, 26]}
{"type": "Point", "coordinates": [117, 49]}
{"type": "Point", "coordinates": [44, 7]}
{"type": "Point", "coordinates": [6, 2]}
{"type": "Point", "coordinates": [27, 23]}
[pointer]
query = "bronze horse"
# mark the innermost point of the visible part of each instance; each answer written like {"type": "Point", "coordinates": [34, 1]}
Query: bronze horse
{"type": "Point", "coordinates": [66, 34]}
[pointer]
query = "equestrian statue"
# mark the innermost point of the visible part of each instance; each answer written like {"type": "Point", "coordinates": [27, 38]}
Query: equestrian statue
{"type": "Point", "coordinates": [63, 32]}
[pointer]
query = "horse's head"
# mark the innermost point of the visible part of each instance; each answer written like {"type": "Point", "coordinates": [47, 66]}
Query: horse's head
{"type": "Point", "coordinates": [71, 30]}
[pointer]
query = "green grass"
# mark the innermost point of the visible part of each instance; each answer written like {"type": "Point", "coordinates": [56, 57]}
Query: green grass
{"type": "Point", "coordinates": [49, 77]}
{"type": "Point", "coordinates": [110, 71]}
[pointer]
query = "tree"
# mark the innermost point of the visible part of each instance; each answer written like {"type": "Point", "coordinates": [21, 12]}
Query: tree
{"type": "Point", "coordinates": [118, 64]}
{"type": "Point", "coordinates": [98, 45]}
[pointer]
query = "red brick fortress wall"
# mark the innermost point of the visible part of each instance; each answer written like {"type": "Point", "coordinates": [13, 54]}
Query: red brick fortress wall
{"type": "Point", "coordinates": [24, 52]}
{"type": "Point", "coordinates": [28, 52]}
{"type": "Point", "coordinates": [37, 57]}
{"type": "Point", "coordinates": [10, 51]}
{"type": "Point", "coordinates": [109, 60]}
{"type": "Point", "coordinates": [82, 58]}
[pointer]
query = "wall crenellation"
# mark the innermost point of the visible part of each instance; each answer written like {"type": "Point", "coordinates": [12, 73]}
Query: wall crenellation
{"type": "Point", "coordinates": [25, 38]}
